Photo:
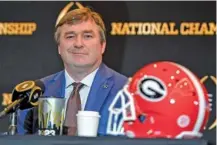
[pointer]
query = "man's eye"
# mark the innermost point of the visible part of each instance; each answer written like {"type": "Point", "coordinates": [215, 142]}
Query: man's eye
{"type": "Point", "coordinates": [88, 36]}
{"type": "Point", "coordinates": [70, 36]}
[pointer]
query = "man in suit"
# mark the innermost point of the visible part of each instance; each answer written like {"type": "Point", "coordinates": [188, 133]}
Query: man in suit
{"type": "Point", "coordinates": [81, 40]}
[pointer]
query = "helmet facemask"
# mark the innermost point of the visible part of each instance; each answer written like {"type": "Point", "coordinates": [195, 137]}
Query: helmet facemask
{"type": "Point", "coordinates": [121, 109]}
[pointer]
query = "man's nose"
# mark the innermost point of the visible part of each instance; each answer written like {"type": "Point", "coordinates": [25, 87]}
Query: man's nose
{"type": "Point", "coordinates": [78, 42]}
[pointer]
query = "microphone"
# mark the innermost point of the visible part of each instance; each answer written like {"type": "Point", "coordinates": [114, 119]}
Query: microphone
{"type": "Point", "coordinates": [25, 95]}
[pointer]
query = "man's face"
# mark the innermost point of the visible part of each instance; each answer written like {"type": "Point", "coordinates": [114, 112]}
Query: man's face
{"type": "Point", "coordinates": [80, 44]}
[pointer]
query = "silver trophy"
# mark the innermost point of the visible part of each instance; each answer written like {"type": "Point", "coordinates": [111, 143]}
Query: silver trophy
{"type": "Point", "coordinates": [51, 116]}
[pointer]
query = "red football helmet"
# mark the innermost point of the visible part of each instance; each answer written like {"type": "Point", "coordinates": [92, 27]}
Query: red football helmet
{"type": "Point", "coordinates": [163, 99]}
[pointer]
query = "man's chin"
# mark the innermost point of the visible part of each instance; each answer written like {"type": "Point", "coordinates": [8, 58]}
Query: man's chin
{"type": "Point", "coordinates": [82, 65]}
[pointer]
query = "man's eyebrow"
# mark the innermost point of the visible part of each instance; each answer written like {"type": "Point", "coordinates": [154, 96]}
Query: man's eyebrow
{"type": "Point", "coordinates": [88, 31]}
{"type": "Point", "coordinates": [73, 32]}
{"type": "Point", "coordinates": [69, 32]}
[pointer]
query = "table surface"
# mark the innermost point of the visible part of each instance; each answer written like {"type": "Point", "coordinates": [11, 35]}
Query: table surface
{"type": "Point", "coordinates": [105, 140]}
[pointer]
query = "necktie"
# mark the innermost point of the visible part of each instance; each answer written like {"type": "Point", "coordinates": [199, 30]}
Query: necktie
{"type": "Point", "coordinates": [73, 106]}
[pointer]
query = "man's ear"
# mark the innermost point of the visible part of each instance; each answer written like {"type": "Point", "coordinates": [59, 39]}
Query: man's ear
{"type": "Point", "coordinates": [103, 47]}
{"type": "Point", "coordinates": [58, 49]}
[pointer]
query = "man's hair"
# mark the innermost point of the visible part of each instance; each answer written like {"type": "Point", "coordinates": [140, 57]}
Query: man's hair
{"type": "Point", "coordinates": [80, 15]}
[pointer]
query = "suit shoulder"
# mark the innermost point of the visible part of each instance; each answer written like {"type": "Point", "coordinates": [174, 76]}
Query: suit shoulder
{"type": "Point", "coordinates": [118, 77]}
{"type": "Point", "coordinates": [50, 77]}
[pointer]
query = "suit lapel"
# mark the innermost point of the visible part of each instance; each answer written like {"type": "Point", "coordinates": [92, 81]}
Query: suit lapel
{"type": "Point", "coordinates": [100, 89]}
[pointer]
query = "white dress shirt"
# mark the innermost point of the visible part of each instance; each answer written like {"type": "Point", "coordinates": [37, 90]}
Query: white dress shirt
{"type": "Point", "coordinates": [84, 92]}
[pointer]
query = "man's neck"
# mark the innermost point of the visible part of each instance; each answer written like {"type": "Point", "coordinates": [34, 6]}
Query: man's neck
{"type": "Point", "coordinates": [79, 73]}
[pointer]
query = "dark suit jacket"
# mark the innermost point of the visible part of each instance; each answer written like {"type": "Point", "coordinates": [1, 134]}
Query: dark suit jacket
{"type": "Point", "coordinates": [105, 86]}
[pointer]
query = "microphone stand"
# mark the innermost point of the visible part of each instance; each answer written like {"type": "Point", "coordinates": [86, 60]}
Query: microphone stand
{"type": "Point", "coordinates": [12, 130]}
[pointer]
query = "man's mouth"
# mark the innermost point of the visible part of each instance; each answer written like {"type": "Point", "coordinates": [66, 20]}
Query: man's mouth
{"type": "Point", "coordinates": [78, 53]}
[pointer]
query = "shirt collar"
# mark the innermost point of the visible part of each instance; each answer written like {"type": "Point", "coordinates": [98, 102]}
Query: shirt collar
{"type": "Point", "coordinates": [87, 81]}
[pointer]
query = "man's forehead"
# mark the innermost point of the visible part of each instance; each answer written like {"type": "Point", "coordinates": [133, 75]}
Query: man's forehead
{"type": "Point", "coordinates": [81, 26]}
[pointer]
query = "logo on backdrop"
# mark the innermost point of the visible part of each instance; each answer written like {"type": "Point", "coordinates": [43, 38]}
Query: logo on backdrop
{"type": "Point", "coordinates": [17, 28]}
{"type": "Point", "coordinates": [163, 28]}
{"type": "Point", "coordinates": [66, 9]}
{"type": "Point", "coordinates": [7, 99]}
